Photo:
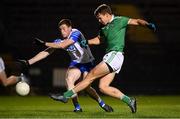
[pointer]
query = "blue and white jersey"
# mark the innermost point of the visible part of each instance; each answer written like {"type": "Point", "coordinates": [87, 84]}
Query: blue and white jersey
{"type": "Point", "coordinates": [79, 51]}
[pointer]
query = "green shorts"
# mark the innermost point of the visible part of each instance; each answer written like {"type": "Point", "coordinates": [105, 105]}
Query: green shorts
{"type": "Point", "coordinates": [115, 60]}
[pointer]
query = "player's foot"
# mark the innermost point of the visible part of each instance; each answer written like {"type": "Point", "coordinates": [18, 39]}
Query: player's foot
{"type": "Point", "coordinates": [59, 97]}
{"type": "Point", "coordinates": [132, 105]}
{"type": "Point", "coordinates": [77, 110]}
{"type": "Point", "coordinates": [107, 108]}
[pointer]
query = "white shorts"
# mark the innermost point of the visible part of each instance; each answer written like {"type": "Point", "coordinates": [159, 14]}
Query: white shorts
{"type": "Point", "coordinates": [115, 60]}
{"type": "Point", "coordinates": [2, 67]}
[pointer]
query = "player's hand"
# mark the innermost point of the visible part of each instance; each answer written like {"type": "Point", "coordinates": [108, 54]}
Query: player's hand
{"type": "Point", "coordinates": [39, 42]}
{"type": "Point", "coordinates": [151, 26]}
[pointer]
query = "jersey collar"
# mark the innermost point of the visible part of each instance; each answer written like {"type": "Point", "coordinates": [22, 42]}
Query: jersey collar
{"type": "Point", "coordinates": [111, 19]}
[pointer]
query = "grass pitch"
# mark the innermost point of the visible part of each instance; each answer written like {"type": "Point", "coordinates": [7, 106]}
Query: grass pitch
{"type": "Point", "coordinates": [44, 107]}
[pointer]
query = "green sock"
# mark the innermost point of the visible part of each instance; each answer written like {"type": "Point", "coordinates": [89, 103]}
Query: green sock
{"type": "Point", "coordinates": [68, 94]}
{"type": "Point", "coordinates": [126, 99]}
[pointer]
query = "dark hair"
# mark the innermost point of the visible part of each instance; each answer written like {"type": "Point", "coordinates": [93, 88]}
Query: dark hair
{"type": "Point", "coordinates": [65, 21]}
{"type": "Point", "coordinates": [102, 9]}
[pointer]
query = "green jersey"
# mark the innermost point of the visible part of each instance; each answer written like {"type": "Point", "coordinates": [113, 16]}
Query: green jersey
{"type": "Point", "coordinates": [113, 34]}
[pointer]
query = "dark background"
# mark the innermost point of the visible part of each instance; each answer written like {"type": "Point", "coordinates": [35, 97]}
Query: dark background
{"type": "Point", "coordinates": [149, 68]}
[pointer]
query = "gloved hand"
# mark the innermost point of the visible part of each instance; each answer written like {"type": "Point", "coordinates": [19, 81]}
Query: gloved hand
{"type": "Point", "coordinates": [151, 26]}
{"type": "Point", "coordinates": [39, 42]}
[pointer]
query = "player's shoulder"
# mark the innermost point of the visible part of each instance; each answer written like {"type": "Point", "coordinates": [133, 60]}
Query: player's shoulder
{"type": "Point", "coordinates": [58, 40]}
{"type": "Point", "coordinates": [74, 30]}
{"type": "Point", "coordinates": [120, 17]}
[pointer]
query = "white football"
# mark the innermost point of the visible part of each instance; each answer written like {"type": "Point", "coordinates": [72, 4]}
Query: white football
{"type": "Point", "coordinates": [22, 88]}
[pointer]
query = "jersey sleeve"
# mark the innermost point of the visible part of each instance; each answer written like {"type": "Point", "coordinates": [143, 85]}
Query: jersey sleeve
{"type": "Point", "coordinates": [124, 21]}
{"type": "Point", "coordinates": [57, 41]}
{"type": "Point", "coordinates": [75, 36]}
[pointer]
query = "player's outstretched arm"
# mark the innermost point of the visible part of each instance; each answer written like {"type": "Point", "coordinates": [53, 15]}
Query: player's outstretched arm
{"type": "Point", "coordinates": [57, 45]}
{"type": "Point", "coordinates": [41, 55]}
{"type": "Point", "coordinates": [94, 41]}
{"type": "Point", "coordinates": [25, 64]}
{"type": "Point", "coordinates": [60, 45]}
{"type": "Point", "coordinates": [142, 23]}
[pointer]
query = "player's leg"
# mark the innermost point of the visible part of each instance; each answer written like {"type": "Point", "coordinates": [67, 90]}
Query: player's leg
{"type": "Point", "coordinates": [112, 62]}
{"type": "Point", "coordinates": [105, 88]}
{"type": "Point", "coordinates": [73, 74]}
{"type": "Point", "coordinates": [104, 85]}
{"type": "Point", "coordinates": [91, 91]}
{"type": "Point", "coordinates": [94, 95]}
{"type": "Point", "coordinates": [100, 70]}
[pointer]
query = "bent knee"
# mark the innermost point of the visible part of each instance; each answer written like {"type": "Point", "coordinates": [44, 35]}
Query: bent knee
{"type": "Point", "coordinates": [70, 81]}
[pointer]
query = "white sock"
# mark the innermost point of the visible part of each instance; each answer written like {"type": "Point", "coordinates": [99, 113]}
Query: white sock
{"type": "Point", "coordinates": [121, 97]}
{"type": "Point", "coordinates": [99, 99]}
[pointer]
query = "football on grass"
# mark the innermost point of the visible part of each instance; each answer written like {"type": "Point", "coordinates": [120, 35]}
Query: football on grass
{"type": "Point", "coordinates": [22, 88]}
